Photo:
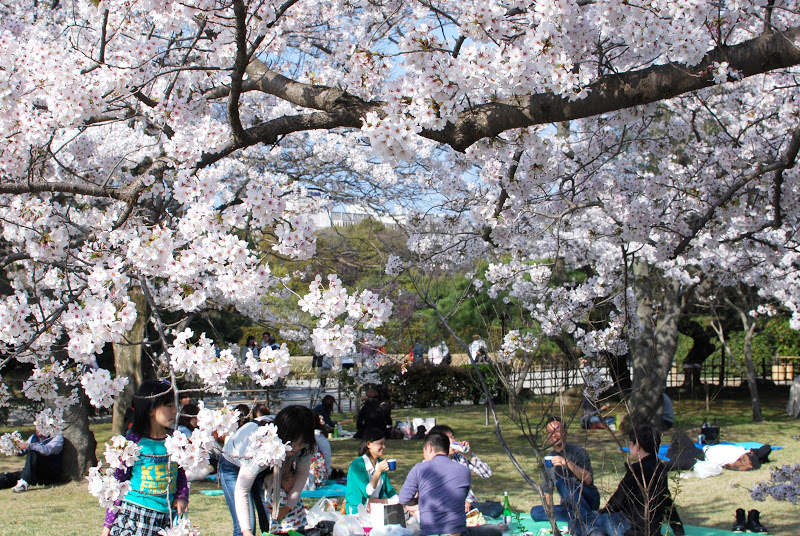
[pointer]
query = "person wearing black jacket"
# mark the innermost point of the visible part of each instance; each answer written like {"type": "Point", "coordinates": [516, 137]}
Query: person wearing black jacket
{"type": "Point", "coordinates": [638, 506]}
{"type": "Point", "coordinates": [372, 415]}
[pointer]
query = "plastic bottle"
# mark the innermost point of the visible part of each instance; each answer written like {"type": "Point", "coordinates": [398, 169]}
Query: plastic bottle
{"type": "Point", "coordinates": [507, 513]}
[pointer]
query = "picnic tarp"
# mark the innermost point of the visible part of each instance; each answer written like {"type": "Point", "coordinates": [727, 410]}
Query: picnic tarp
{"type": "Point", "coordinates": [747, 445]}
{"type": "Point", "coordinates": [533, 527]}
{"type": "Point", "coordinates": [331, 489]}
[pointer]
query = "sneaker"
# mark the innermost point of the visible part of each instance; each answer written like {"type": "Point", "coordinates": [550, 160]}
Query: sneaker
{"type": "Point", "coordinates": [21, 486]}
{"type": "Point", "coordinates": [739, 524]}
{"type": "Point", "coordinates": [753, 523]}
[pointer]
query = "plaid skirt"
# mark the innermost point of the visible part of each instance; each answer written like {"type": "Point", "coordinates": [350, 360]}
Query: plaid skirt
{"type": "Point", "coordinates": [135, 520]}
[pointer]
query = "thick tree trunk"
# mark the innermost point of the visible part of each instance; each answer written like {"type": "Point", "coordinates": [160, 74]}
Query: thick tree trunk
{"type": "Point", "coordinates": [701, 350]}
{"type": "Point", "coordinates": [620, 373]}
{"type": "Point", "coordinates": [128, 361]}
{"type": "Point", "coordinates": [653, 350]}
{"type": "Point", "coordinates": [79, 442]}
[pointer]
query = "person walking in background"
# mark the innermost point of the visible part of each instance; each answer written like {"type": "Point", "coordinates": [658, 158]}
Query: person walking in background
{"type": "Point", "coordinates": [418, 352]}
{"type": "Point", "coordinates": [265, 337]}
{"type": "Point", "coordinates": [249, 347]}
{"type": "Point", "coordinates": [367, 349]}
{"type": "Point", "coordinates": [478, 351]}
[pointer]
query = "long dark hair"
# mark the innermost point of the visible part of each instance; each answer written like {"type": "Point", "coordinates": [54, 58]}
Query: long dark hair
{"type": "Point", "coordinates": [297, 422]}
{"type": "Point", "coordinates": [188, 412]}
{"type": "Point", "coordinates": [370, 435]}
{"type": "Point", "coordinates": [151, 395]}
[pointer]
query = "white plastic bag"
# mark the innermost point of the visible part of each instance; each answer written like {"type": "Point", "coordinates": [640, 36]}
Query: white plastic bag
{"type": "Point", "coordinates": [348, 525]}
{"type": "Point", "coordinates": [705, 469]}
{"type": "Point", "coordinates": [391, 530]}
{"type": "Point", "coordinates": [324, 510]}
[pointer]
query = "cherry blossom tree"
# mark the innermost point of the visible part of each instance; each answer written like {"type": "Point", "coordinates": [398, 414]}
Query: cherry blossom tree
{"type": "Point", "coordinates": [148, 146]}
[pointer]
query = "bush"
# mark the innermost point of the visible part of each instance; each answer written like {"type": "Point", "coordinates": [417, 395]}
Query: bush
{"type": "Point", "coordinates": [427, 385]}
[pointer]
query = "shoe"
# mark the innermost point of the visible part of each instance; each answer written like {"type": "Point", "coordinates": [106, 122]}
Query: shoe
{"type": "Point", "coordinates": [740, 524]}
{"type": "Point", "coordinates": [22, 487]}
{"type": "Point", "coordinates": [753, 524]}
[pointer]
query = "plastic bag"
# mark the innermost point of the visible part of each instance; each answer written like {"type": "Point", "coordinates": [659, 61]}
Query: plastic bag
{"type": "Point", "coordinates": [705, 469]}
{"type": "Point", "coordinates": [405, 428]}
{"type": "Point", "coordinates": [347, 526]}
{"type": "Point", "coordinates": [324, 510]}
{"type": "Point", "coordinates": [391, 530]}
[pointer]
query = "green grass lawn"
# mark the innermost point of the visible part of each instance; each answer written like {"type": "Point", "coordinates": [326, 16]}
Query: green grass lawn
{"type": "Point", "coordinates": [69, 509]}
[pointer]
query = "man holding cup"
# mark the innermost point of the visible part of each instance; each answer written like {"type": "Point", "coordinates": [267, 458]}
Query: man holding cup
{"type": "Point", "coordinates": [568, 469]}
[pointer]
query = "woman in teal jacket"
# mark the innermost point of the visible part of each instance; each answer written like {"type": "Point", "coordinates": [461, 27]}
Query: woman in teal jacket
{"type": "Point", "coordinates": [367, 478]}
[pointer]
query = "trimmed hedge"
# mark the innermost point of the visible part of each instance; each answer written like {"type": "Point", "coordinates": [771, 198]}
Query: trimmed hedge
{"type": "Point", "coordinates": [427, 385]}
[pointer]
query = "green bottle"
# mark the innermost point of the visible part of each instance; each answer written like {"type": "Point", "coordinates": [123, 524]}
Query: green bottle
{"type": "Point", "coordinates": [507, 513]}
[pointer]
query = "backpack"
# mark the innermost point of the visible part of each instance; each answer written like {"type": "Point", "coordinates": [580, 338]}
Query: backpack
{"type": "Point", "coordinates": [710, 432]}
{"type": "Point", "coordinates": [682, 453]}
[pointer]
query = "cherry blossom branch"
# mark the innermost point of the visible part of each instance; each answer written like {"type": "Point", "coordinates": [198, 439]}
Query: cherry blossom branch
{"type": "Point", "coordinates": [501, 199]}
{"type": "Point", "coordinates": [47, 323]}
{"type": "Point", "coordinates": [201, 27]}
{"type": "Point", "coordinates": [615, 92]}
{"type": "Point", "coordinates": [759, 55]}
{"type": "Point", "coordinates": [787, 162]}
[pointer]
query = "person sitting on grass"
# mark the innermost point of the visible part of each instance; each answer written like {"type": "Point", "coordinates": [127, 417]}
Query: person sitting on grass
{"type": "Point", "coordinates": [42, 462]}
{"type": "Point", "coordinates": [462, 453]}
{"type": "Point", "coordinates": [638, 505]}
{"type": "Point", "coordinates": [367, 477]}
{"type": "Point", "coordinates": [571, 476]}
{"type": "Point", "coordinates": [436, 490]}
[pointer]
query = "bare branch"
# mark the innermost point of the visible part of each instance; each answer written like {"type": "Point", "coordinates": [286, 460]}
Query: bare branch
{"type": "Point", "coordinates": [239, 68]}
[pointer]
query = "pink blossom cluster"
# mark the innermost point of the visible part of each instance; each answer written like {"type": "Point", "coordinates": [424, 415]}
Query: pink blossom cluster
{"type": "Point", "coordinates": [221, 421]}
{"type": "Point", "coordinates": [265, 448]}
{"type": "Point", "coordinates": [101, 388]}
{"type": "Point", "coordinates": [120, 453]}
{"type": "Point", "coordinates": [191, 452]}
{"type": "Point", "coordinates": [5, 395]}
{"type": "Point", "coordinates": [49, 422]}
{"type": "Point", "coordinates": [10, 443]}
{"type": "Point", "coordinates": [268, 366]}
{"type": "Point", "coordinates": [106, 488]}
{"type": "Point", "coordinates": [200, 359]}
{"type": "Point", "coordinates": [595, 382]}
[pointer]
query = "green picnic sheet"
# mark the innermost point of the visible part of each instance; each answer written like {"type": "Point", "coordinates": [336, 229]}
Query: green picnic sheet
{"type": "Point", "coordinates": [529, 525]}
